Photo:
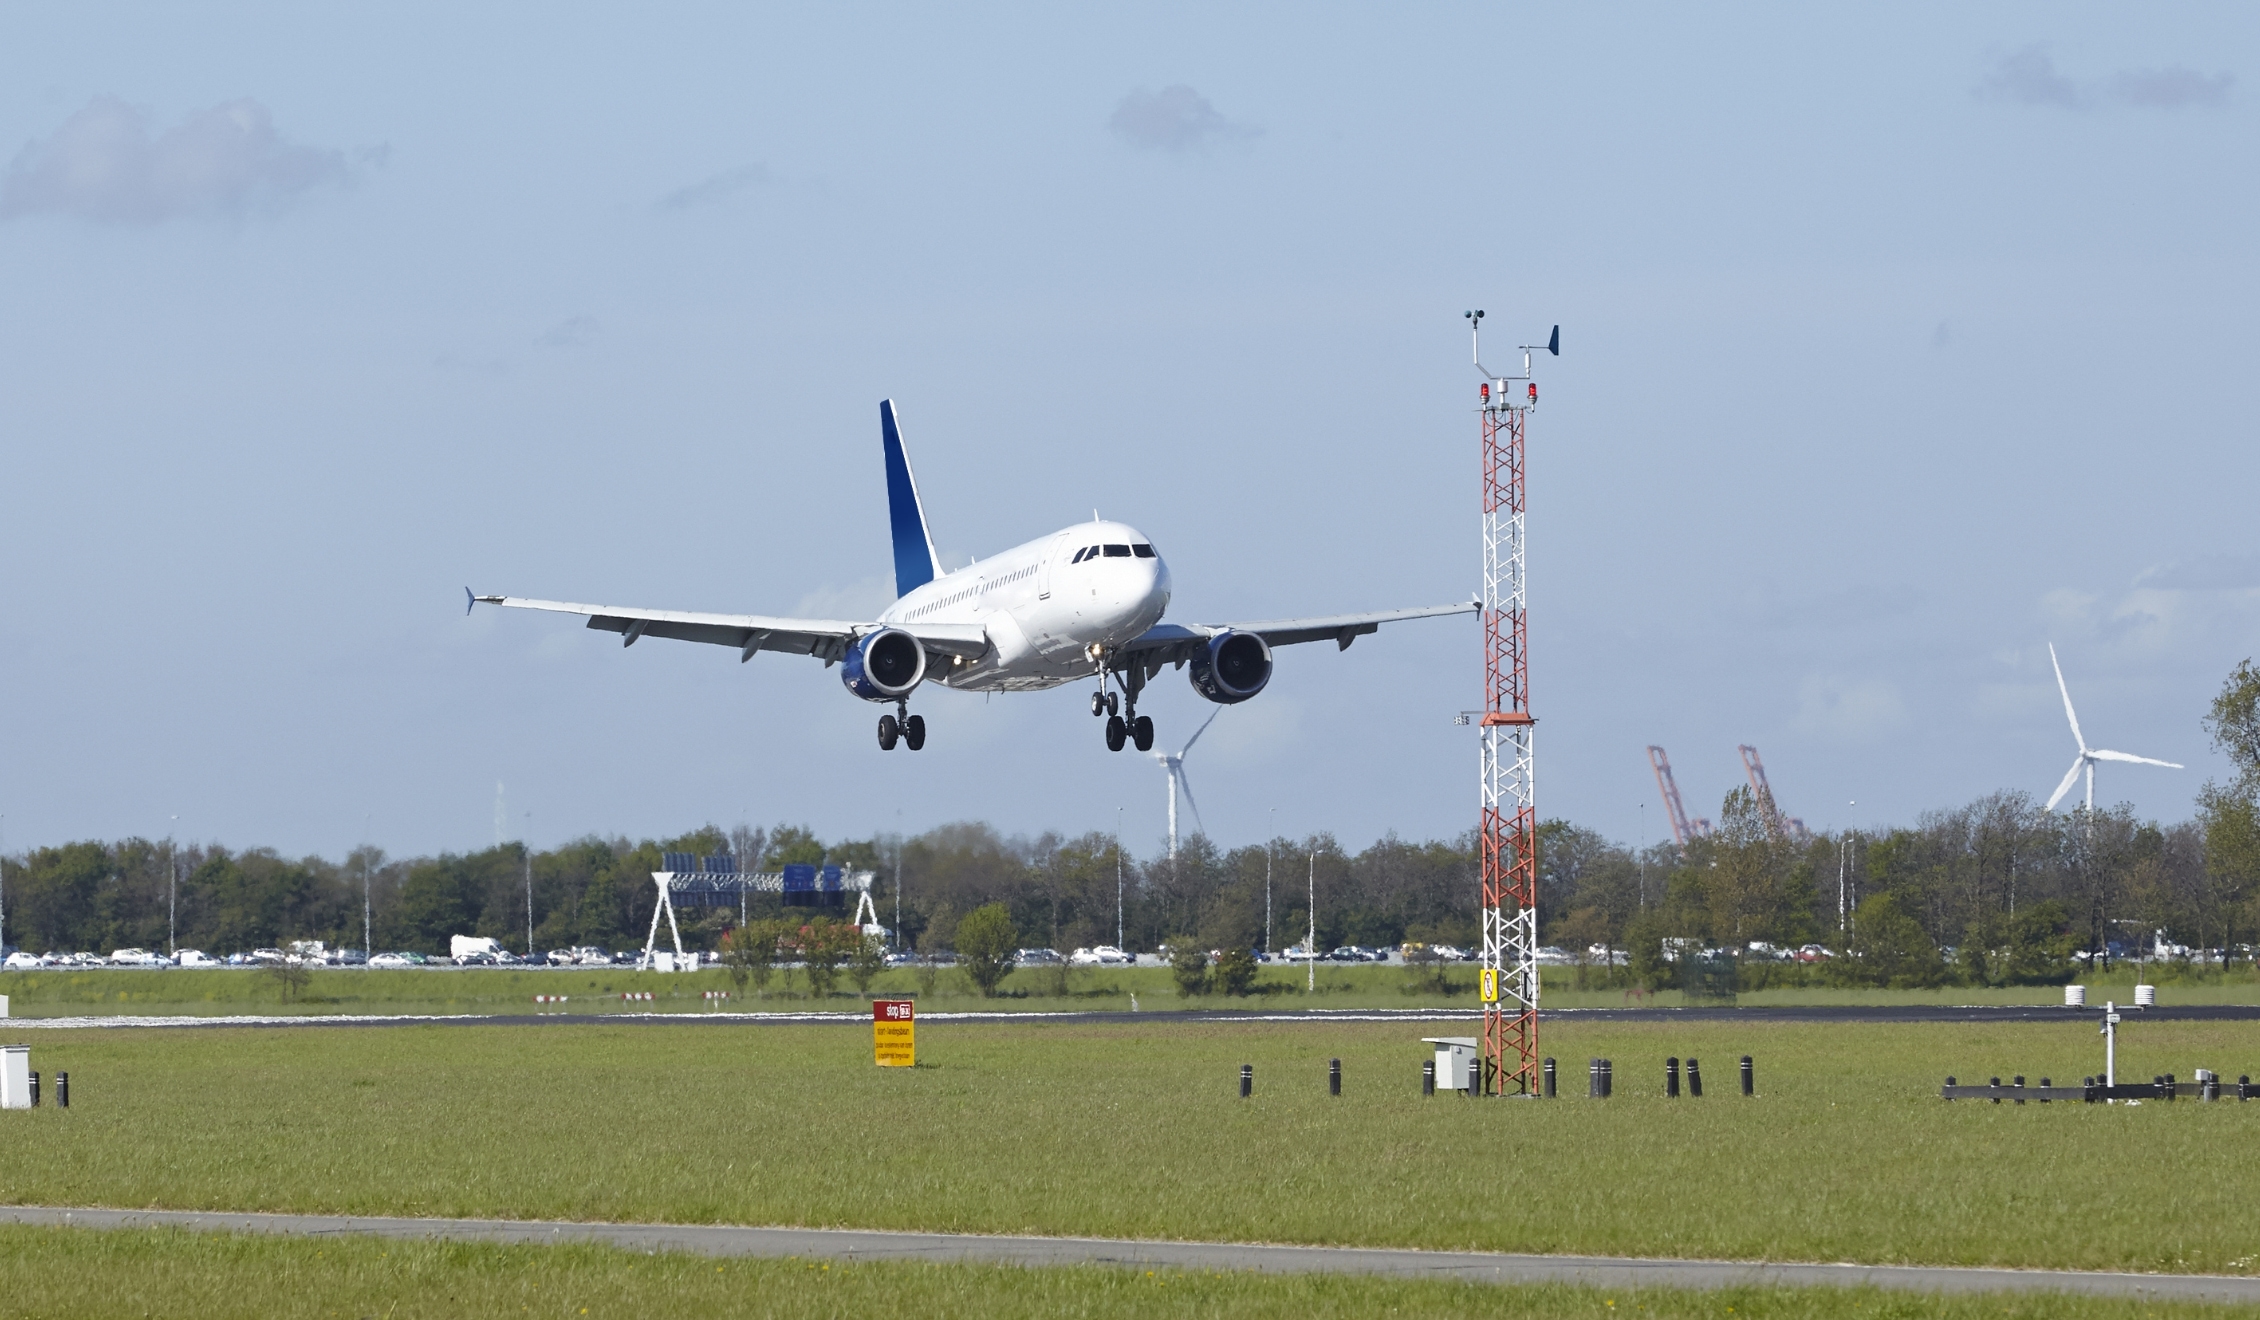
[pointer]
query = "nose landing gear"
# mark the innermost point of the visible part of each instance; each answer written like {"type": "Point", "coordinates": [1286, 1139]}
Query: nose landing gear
{"type": "Point", "coordinates": [910, 729]}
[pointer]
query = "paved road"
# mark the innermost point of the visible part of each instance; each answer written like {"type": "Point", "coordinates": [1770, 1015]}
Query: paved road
{"type": "Point", "coordinates": [1472, 1267]}
{"type": "Point", "coordinates": [1821, 1013]}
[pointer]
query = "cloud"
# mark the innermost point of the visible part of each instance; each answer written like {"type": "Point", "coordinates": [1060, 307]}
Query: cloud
{"type": "Point", "coordinates": [2030, 77]}
{"type": "Point", "coordinates": [1176, 118]}
{"type": "Point", "coordinates": [2205, 573]}
{"type": "Point", "coordinates": [719, 188]}
{"type": "Point", "coordinates": [105, 164]}
{"type": "Point", "coordinates": [571, 332]}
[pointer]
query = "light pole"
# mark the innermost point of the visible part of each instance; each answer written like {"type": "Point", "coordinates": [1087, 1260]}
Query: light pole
{"type": "Point", "coordinates": [1267, 851]}
{"type": "Point", "coordinates": [368, 949]}
{"type": "Point", "coordinates": [1118, 877]}
{"type": "Point", "coordinates": [172, 892]}
{"type": "Point", "coordinates": [1310, 941]}
{"type": "Point", "coordinates": [528, 846]}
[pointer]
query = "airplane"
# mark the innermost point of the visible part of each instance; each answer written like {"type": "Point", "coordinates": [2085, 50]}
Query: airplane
{"type": "Point", "coordinates": [1082, 604]}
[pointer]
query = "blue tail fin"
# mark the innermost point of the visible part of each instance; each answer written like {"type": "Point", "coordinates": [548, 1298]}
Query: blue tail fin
{"type": "Point", "coordinates": [914, 546]}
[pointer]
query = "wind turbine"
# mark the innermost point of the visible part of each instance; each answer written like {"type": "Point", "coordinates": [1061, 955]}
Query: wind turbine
{"type": "Point", "coordinates": [2087, 758]}
{"type": "Point", "coordinates": [1175, 765]}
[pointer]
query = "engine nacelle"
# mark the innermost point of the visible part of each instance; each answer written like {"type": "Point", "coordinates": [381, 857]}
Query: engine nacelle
{"type": "Point", "coordinates": [884, 665]}
{"type": "Point", "coordinates": [1232, 667]}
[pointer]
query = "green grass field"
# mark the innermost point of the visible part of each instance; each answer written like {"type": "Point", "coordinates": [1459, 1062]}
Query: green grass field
{"type": "Point", "coordinates": [1136, 1131]}
{"type": "Point", "coordinates": [61, 993]}
{"type": "Point", "coordinates": [77, 1272]}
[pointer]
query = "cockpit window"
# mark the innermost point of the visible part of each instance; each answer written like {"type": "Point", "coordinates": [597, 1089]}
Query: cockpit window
{"type": "Point", "coordinates": [1118, 552]}
{"type": "Point", "coordinates": [1142, 551]}
{"type": "Point", "coordinates": [1078, 556]}
{"type": "Point", "coordinates": [1091, 552]}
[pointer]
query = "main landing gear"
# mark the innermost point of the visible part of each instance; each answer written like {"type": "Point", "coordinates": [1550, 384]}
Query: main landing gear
{"type": "Point", "coordinates": [911, 729]}
{"type": "Point", "coordinates": [1123, 722]}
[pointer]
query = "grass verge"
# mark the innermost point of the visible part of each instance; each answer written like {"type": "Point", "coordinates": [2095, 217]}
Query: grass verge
{"type": "Point", "coordinates": [62, 1272]}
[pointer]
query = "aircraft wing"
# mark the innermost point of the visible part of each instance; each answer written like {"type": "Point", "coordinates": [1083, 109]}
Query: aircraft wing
{"type": "Point", "coordinates": [826, 639]}
{"type": "Point", "coordinates": [1171, 643]}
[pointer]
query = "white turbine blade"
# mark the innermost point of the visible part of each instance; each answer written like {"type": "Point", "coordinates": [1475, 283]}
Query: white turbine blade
{"type": "Point", "coordinates": [1185, 782]}
{"type": "Point", "coordinates": [2069, 714]}
{"type": "Point", "coordinates": [1199, 731]}
{"type": "Point", "coordinates": [2070, 778]}
{"type": "Point", "coordinates": [2138, 760]}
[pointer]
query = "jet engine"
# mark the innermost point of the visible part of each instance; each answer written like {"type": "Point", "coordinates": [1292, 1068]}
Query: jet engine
{"type": "Point", "coordinates": [884, 665]}
{"type": "Point", "coordinates": [1232, 667]}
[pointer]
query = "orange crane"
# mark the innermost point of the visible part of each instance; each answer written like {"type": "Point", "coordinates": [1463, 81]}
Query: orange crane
{"type": "Point", "coordinates": [1682, 829]}
{"type": "Point", "coordinates": [1784, 826]}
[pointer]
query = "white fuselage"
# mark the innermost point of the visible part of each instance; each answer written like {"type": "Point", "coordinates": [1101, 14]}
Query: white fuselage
{"type": "Point", "coordinates": [1050, 607]}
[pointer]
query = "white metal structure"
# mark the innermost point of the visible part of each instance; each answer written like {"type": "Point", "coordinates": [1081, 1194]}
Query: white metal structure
{"type": "Point", "coordinates": [760, 882]}
{"type": "Point", "coordinates": [2087, 757]}
{"type": "Point", "coordinates": [1508, 768]}
{"type": "Point", "coordinates": [1175, 765]}
{"type": "Point", "coordinates": [1085, 602]}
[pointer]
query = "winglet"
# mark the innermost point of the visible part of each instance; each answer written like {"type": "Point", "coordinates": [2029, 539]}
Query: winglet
{"type": "Point", "coordinates": [469, 600]}
{"type": "Point", "coordinates": [916, 564]}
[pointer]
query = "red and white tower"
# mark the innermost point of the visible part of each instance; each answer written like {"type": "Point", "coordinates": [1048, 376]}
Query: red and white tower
{"type": "Point", "coordinates": [1509, 968]}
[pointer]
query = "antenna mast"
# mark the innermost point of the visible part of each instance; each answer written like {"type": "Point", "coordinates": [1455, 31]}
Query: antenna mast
{"type": "Point", "coordinates": [1509, 967]}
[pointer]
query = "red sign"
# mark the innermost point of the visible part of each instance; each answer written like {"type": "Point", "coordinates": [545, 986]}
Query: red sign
{"type": "Point", "coordinates": [894, 1040]}
{"type": "Point", "coordinates": [892, 1010]}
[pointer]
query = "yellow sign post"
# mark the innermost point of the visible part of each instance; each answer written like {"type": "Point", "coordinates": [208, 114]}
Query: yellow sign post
{"type": "Point", "coordinates": [1489, 978]}
{"type": "Point", "coordinates": [894, 1033]}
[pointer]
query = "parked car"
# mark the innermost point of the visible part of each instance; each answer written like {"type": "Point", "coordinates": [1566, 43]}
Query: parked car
{"type": "Point", "coordinates": [1551, 956]}
{"type": "Point", "coordinates": [269, 956]}
{"type": "Point", "coordinates": [134, 958]}
{"type": "Point", "coordinates": [194, 958]}
{"type": "Point", "coordinates": [1348, 953]}
{"type": "Point", "coordinates": [352, 957]}
{"type": "Point", "coordinates": [1100, 955]}
{"type": "Point", "coordinates": [1038, 957]}
{"type": "Point", "coordinates": [20, 961]}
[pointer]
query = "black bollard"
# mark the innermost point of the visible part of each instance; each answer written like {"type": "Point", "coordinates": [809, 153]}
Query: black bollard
{"type": "Point", "coordinates": [1592, 1079]}
{"type": "Point", "coordinates": [62, 1090]}
{"type": "Point", "coordinates": [1694, 1079]}
{"type": "Point", "coordinates": [2211, 1089]}
{"type": "Point", "coordinates": [2243, 1080]}
{"type": "Point", "coordinates": [1334, 1077]}
{"type": "Point", "coordinates": [1671, 1078]}
{"type": "Point", "coordinates": [1994, 1082]}
{"type": "Point", "coordinates": [2044, 1085]}
{"type": "Point", "coordinates": [35, 1090]}
{"type": "Point", "coordinates": [1749, 1077]}
{"type": "Point", "coordinates": [1247, 1080]}
{"type": "Point", "coordinates": [1949, 1084]}
{"type": "Point", "coordinates": [1475, 1077]}
{"type": "Point", "coordinates": [1428, 1078]}
{"type": "Point", "coordinates": [2168, 1079]}
{"type": "Point", "coordinates": [1608, 1078]}
{"type": "Point", "coordinates": [2018, 1081]}
{"type": "Point", "coordinates": [1549, 1079]}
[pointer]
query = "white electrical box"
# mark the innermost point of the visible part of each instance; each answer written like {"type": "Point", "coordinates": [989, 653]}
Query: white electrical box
{"type": "Point", "coordinates": [1455, 1059]}
{"type": "Point", "coordinates": [15, 1076]}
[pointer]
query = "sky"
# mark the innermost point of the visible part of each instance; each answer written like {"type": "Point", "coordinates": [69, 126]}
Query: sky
{"type": "Point", "coordinates": [1897, 344]}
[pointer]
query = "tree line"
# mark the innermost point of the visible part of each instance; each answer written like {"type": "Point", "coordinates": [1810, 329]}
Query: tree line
{"type": "Point", "coordinates": [2010, 889]}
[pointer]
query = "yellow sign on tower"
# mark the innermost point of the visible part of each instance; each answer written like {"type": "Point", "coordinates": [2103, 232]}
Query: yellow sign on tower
{"type": "Point", "coordinates": [1489, 979]}
{"type": "Point", "coordinates": [894, 1033]}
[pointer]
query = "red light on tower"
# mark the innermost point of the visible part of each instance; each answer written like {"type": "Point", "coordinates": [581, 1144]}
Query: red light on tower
{"type": "Point", "coordinates": [1486, 391]}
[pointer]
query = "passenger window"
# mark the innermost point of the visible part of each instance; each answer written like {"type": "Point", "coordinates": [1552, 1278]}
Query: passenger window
{"type": "Point", "coordinates": [1142, 551]}
{"type": "Point", "coordinates": [1118, 552]}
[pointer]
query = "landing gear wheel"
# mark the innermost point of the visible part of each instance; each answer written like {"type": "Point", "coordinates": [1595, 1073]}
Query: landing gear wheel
{"type": "Point", "coordinates": [1098, 703]}
{"type": "Point", "coordinates": [888, 732]}
{"type": "Point", "coordinates": [1116, 733]}
{"type": "Point", "coordinates": [1142, 732]}
{"type": "Point", "coordinates": [1113, 704]}
{"type": "Point", "coordinates": [914, 732]}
